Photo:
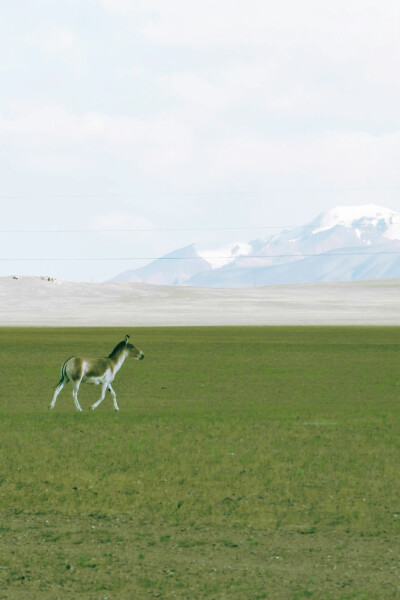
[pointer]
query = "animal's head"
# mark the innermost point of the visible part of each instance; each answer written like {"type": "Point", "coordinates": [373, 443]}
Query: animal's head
{"type": "Point", "coordinates": [133, 351]}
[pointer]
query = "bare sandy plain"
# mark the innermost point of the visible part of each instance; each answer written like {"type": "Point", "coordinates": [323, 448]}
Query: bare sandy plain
{"type": "Point", "coordinates": [45, 301]}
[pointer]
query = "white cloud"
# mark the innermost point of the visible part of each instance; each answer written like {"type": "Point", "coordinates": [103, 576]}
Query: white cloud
{"type": "Point", "coordinates": [319, 66]}
{"type": "Point", "coordinates": [317, 44]}
{"type": "Point", "coordinates": [245, 85]}
{"type": "Point", "coordinates": [267, 23]}
{"type": "Point", "coordinates": [154, 144]}
{"type": "Point", "coordinates": [336, 159]}
{"type": "Point", "coordinates": [56, 41]}
{"type": "Point", "coordinates": [121, 221]}
{"type": "Point", "coordinates": [197, 90]}
{"type": "Point", "coordinates": [120, 6]}
{"type": "Point", "coordinates": [307, 60]}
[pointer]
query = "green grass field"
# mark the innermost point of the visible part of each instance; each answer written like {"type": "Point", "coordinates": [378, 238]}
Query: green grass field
{"type": "Point", "coordinates": [245, 463]}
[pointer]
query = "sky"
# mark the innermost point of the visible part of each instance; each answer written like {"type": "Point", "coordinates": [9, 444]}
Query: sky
{"type": "Point", "coordinates": [187, 121]}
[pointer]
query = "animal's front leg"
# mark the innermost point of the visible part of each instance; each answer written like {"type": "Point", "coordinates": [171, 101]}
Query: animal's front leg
{"type": "Point", "coordinates": [114, 397]}
{"type": "Point", "coordinates": [103, 393]}
{"type": "Point", "coordinates": [75, 395]}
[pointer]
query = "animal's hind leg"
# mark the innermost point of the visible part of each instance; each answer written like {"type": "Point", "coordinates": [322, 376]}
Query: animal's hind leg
{"type": "Point", "coordinates": [103, 393]}
{"type": "Point", "coordinates": [75, 394]}
{"type": "Point", "coordinates": [114, 397]}
{"type": "Point", "coordinates": [57, 391]}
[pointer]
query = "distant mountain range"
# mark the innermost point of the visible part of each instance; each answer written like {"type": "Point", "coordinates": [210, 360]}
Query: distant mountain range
{"type": "Point", "coordinates": [347, 243]}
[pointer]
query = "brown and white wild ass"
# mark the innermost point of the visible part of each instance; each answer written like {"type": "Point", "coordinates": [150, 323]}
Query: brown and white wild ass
{"type": "Point", "coordinates": [99, 371]}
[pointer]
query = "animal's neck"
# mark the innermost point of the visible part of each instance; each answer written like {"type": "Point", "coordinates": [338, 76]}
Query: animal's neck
{"type": "Point", "coordinates": [119, 360]}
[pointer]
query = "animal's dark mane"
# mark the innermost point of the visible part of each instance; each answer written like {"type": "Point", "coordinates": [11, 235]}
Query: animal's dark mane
{"type": "Point", "coordinates": [117, 348]}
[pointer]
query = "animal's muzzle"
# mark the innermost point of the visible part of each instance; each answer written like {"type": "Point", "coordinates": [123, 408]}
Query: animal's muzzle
{"type": "Point", "coordinates": [141, 357]}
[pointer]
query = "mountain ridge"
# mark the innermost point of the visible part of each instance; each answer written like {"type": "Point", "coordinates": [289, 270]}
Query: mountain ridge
{"type": "Point", "coordinates": [346, 243]}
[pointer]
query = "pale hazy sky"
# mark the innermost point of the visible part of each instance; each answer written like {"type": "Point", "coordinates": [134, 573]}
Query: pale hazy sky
{"type": "Point", "coordinates": [151, 114]}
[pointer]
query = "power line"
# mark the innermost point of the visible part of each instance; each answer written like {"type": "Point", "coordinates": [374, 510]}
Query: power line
{"type": "Point", "coordinates": [174, 229]}
{"type": "Point", "coordinates": [128, 258]}
{"type": "Point", "coordinates": [166, 229]}
{"type": "Point", "coordinates": [206, 193]}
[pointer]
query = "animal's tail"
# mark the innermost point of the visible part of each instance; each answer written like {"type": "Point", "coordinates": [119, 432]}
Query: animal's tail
{"type": "Point", "coordinates": [63, 373]}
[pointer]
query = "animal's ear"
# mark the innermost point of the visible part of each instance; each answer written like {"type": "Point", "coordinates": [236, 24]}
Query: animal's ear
{"type": "Point", "coordinates": [126, 338]}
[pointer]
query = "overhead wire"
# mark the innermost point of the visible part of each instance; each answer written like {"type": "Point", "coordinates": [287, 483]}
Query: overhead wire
{"type": "Point", "coordinates": [182, 229]}
{"type": "Point", "coordinates": [241, 256]}
{"type": "Point", "coordinates": [203, 193]}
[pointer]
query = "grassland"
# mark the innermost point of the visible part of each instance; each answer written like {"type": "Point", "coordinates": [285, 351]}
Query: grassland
{"type": "Point", "coordinates": [245, 463]}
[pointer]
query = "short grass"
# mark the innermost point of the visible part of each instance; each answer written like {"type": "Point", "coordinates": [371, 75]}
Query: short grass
{"type": "Point", "coordinates": [245, 463]}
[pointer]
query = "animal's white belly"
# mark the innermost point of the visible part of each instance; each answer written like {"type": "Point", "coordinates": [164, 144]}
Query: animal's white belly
{"type": "Point", "coordinates": [95, 380]}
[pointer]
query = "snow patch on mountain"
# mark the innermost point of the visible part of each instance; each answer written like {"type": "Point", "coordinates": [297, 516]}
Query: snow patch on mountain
{"type": "Point", "coordinates": [368, 217]}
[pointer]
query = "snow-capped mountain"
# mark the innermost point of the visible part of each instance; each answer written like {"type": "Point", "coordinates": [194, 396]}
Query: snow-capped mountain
{"type": "Point", "coordinates": [181, 265]}
{"type": "Point", "coordinates": [342, 244]}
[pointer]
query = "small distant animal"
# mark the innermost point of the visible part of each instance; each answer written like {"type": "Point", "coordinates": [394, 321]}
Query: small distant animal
{"type": "Point", "coordinates": [98, 371]}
